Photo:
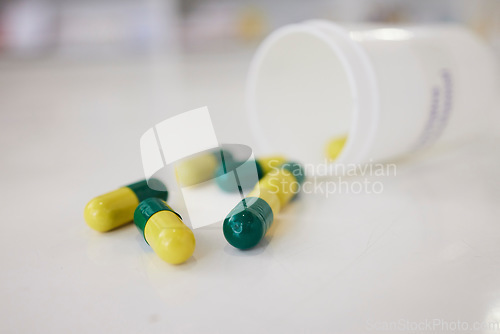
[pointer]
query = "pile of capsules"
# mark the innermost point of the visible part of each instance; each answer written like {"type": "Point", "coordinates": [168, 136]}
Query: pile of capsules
{"type": "Point", "coordinates": [244, 227]}
{"type": "Point", "coordinates": [162, 226]}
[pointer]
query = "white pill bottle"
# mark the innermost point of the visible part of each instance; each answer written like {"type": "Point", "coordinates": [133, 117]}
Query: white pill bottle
{"type": "Point", "coordinates": [391, 90]}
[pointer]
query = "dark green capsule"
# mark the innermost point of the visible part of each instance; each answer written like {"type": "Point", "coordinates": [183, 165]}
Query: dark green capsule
{"type": "Point", "coordinates": [248, 222]}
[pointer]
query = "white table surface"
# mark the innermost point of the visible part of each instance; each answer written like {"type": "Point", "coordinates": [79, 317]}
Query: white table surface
{"type": "Point", "coordinates": [425, 250]}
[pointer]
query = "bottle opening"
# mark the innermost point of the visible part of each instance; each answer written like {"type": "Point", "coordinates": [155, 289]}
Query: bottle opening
{"type": "Point", "coordinates": [299, 95]}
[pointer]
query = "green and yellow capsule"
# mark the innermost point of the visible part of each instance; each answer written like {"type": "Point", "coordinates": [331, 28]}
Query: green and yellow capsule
{"type": "Point", "coordinates": [245, 171]}
{"type": "Point", "coordinates": [116, 208]}
{"type": "Point", "coordinates": [164, 231]}
{"type": "Point", "coordinates": [334, 147]}
{"type": "Point", "coordinates": [246, 225]}
{"type": "Point", "coordinates": [201, 167]}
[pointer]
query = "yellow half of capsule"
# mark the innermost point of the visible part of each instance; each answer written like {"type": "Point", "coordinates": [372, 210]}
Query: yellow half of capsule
{"type": "Point", "coordinates": [196, 170]}
{"type": "Point", "coordinates": [171, 240]}
{"type": "Point", "coordinates": [282, 183]}
{"type": "Point", "coordinates": [269, 196]}
{"type": "Point", "coordinates": [334, 147]}
{"type": "Point", "coordinates": [111, 210]}
{"type": "Point", "coordinates": [271, 163]}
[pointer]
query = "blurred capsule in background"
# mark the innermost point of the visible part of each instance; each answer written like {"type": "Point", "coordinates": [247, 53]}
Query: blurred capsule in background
{"type": "Point", "coordinates": [334, 147]}
{"type": "Point", "coordinates": [233, 175]}
{"type": "Point", "coordinates": [116, 208]}
{"type": "Point", "coordinates": [164, 231]}
{"type": "Point", "coordinates": [201, 167]}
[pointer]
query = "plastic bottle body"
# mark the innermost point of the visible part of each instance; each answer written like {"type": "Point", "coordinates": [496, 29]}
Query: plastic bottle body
{"type": "Point", "coordinates": [391, 90]}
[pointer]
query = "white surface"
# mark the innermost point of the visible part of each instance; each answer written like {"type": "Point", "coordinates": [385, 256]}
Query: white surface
{"type": "Point", "coordinates": [186, 134]}
{"type": "Point", "coordinates": [427, 248]}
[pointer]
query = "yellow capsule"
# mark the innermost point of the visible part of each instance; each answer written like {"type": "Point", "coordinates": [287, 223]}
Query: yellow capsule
{"type": "Point", "coordinates": [116, 208]}
{"type": "Point", "coordinates": [197, 169]}
{"type": "Point", "coordinates": [269, 196]}
{"type": "Point", "coordinates": [334, 147]}
{"type": "Point", "coordinates": [281, 182]}
{"type": "Point", "coordinates": [164, 231]}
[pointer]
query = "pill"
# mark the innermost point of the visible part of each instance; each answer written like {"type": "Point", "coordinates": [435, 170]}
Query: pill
{"type": "Point", "coordinates": [116, 208]}
{"type": "Point", "coordinates": [334, 147]}
{"type": "Point", "coordinates": [245, 226]}
{"type": "Point", "coordinates": [247, 172]}
{"type": "Point", "coordinates": [201, 167]}
{"type": "Point", "coordinates": [164, 231]}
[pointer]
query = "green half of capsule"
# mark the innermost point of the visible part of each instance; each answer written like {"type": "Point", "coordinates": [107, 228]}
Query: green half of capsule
{"type": "Point", "coordinates": [248, 222]}
{"type": "Point", "coordinates": [116, 208]}
{"type": "Point", "coordinates": [233, 175]}
{"type": "Point", "coordinates": [297, 171]}
{"type": "Point", "coordinates": [143, 191]}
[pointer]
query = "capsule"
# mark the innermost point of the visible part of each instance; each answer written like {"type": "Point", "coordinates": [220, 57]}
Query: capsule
{"type": "Point", "coordinates": [116, 208]}
{"type": "Point", "coordinates": [200, 168]}
{"type": "Point", "coordinates": [246, 171]}
{"type": "Point", "coordinates": [164, 231]}
{"type": "Point", "coordinates": [246, 225]}
{"type": "Point", "coordinates": [334, 147]}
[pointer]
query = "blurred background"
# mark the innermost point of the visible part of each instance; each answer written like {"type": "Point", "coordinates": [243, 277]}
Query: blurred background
{"type": "Point", "coordinates": [120, 66]}
{"type": "Point", "coordinates": [79, 29]}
